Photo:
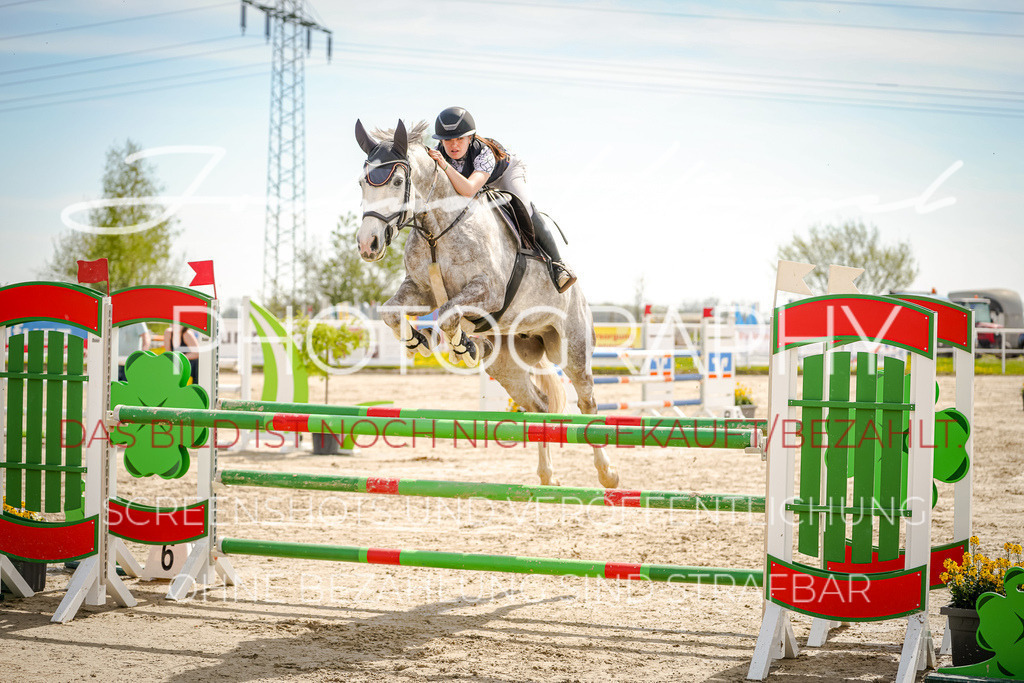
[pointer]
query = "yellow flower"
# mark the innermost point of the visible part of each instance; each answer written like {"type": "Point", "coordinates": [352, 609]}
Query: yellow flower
{"type": "Point", "coordinates": [977, 574]}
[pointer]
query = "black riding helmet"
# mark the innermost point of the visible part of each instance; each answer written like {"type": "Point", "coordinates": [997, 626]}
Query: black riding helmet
{"type": "Point", "coordinates": [454, 122]}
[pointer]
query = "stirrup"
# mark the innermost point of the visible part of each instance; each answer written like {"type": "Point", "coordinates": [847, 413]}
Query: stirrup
{"type": "Point", "coordinates": [562, 276]}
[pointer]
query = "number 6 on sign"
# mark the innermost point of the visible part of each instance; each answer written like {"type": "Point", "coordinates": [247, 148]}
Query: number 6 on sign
{"type": "Point", "coordinates": [165, 561]}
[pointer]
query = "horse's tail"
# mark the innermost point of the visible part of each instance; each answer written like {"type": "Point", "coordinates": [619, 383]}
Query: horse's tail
{"type": "Point", "coordinates": [549, 382]}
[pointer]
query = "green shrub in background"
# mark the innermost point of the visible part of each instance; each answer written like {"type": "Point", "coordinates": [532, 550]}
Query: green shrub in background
{"type": "Point", "coordinates": [323, 346]}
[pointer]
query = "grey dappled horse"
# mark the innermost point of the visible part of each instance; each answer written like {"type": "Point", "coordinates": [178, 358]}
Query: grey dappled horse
{"type": "Point", "coordinates": [473, 256]}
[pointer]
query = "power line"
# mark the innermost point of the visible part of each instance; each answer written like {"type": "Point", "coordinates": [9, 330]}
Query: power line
{"type": "Point", "coordinates": [135, 92]}
{"type": "Point", "coordinates": [21, 2]}
{"type": "Point", "coordinates": [127, 66]}
{"type": "Point", "coordinates": [667, 80]}
{"type": "Point", "coordinates": [126, 84]}
{"type": "Point", "coordinates": [899, 5]}
{"type": "Point", "coordinates": [116, 21]}
{"type": "Point", "coordinates": [749, 20]}
{"type": "Point", "coordinates": [452, 70]}
{"type": "Point", "coordinates": [69, 62]}
{"type": "Point", "coordinates": [635, 71]}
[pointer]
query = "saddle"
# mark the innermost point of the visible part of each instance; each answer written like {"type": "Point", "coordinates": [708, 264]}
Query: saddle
{"type": "Point", "coordinates": [517, 218]}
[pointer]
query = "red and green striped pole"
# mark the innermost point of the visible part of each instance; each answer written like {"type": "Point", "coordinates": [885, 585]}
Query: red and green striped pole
{"type": "Point", "coordinates": [501, 433]}
{"type": "Point", "coordinates": [493, 416]}
{"type": "Point", "coordinates": [668, 500]}
{"type": "Point", "coordinates": [717, 576]}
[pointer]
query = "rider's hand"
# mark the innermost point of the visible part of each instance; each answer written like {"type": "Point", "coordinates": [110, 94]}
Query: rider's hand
{"type": "Point", "coordinates": [436, 156]}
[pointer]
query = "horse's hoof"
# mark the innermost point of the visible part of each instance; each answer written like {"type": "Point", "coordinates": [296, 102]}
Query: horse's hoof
{"type": "Point", "coordinates": [417, 342]}
{"type": "Point", "coordinates": [465, 349]}
{"type": "Point", "coordinates": [546, 478]}
{"type": "Point", "coordinates": [609, 479]}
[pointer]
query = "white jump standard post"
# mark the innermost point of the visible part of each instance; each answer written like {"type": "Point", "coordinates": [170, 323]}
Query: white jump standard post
{"type": "Point", "coordinates": [815, 433]}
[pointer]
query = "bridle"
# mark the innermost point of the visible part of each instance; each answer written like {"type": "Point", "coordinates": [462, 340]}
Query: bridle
{"type": "Point", "coordinates": [405, 216]}
{"type": "Point", "coordinates": [390, 229]}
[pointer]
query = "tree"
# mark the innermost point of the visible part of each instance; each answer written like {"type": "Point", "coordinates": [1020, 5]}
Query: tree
{"type": "Point", "coordinates": [341, 275]}
{"type": "Point", "coordinates": [853, 244]}
{"type": "Point", "coordinates": [323, 346]}
{"type": "Point", "coordinates": [136, 257]}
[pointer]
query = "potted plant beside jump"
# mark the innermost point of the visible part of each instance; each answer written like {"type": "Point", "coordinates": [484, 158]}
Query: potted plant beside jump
{"type": "Point", "coordinates": [968, 580]}
{"type": "Point", "coordinates": [322, 347]}
{"type": "Point", "coordinates": [744, 400]}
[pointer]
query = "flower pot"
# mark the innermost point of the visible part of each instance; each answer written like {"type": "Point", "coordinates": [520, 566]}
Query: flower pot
{"type": "Point", "coordinates": [963, 635]}
{"type": "Point", "coordinates": [748, 410]}
{"type": "Point", "coordinates": [34, 574]}
{"type": "Point", "coordinates": [325, 444]}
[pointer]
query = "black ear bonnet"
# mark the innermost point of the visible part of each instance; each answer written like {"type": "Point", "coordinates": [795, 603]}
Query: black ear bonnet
{"type": "Point", "coordinates": [382, 158]}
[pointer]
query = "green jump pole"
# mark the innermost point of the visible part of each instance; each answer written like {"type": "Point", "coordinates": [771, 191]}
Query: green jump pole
{"type": "Point", "coordinates": [717, 576]}
{"type": "Point", "coordinates": [493, 416]}
{"type": "Point", "coordinates": [501, 433]}
{"type": "Point", "coordinates": [668, 500]}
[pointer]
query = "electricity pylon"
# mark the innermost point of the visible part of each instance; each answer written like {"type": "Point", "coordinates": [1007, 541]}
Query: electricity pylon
{"type": "Point", "coordinates": [290, 28]}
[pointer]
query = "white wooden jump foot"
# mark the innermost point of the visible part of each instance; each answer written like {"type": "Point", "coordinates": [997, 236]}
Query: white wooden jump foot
{"type": "Point", "coordinates": [819, 631]}
{"type": "Point", "coordinates": [775, 640]}
{"type": "Point", "coordinates": [10, 576]}
{"type": "Point", "coordinates": [82, 580]}
{"type": "Point", "coordinates": [225, 571]}
{"type": "Point", "coordinates": [118, 591]}
{"type": "Point", "coordinates": [916, 648]}
{"type": "Point", "coordinates": [198, 569]}
{"type": "Point", "coordinates": [947, 642]}
{"type": "Point", "coordinates": [184, 583]}
{"type": "Point", "coordinates": [88, 587]}
{"type": "Point", "coordinates": [127, 561]}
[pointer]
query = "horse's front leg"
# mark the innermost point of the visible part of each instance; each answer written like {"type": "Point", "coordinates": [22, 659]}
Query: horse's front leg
{"type": "Point", "coordinates": [476, 298]}
{"type": "Point", "coordinates": [409, 298]}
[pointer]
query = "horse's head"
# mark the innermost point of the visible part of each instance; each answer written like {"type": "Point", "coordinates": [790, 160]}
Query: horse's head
{"type": "Point", "coordinates": [387, 185]}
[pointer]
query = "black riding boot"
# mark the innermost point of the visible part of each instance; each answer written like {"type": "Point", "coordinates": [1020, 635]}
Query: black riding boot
{"type": "Point", "coordinates": [561, 275]}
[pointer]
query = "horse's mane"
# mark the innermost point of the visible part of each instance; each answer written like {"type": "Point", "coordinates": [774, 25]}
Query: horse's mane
{"type": "Point", "coordinates": [416, 133]}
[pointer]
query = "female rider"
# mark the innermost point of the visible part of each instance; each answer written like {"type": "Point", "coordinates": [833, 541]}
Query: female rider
{"type": "Point", "coordinates": [471, 162]}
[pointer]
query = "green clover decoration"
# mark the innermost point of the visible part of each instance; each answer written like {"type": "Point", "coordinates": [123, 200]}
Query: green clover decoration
{"type": "Point", "coordinates": [1001, 631]}
{"type": "Point", "coordinates": [950, 461]}
{"type": "Point", "coordinates": [158, 380]}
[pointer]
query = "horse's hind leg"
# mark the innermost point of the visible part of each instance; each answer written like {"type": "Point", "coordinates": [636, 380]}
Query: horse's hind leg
{"type": "Point", "coordinates": [578, 369]}
{"type": "Point", "coordinates": [515, 378]}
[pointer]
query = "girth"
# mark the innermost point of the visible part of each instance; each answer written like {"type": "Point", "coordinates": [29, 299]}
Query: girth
{"type": "Point", "coordinates": [514, 213]}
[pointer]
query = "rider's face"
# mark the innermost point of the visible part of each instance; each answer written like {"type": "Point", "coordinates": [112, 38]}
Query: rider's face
{"type": "Point", "coordinates": [456, 149]}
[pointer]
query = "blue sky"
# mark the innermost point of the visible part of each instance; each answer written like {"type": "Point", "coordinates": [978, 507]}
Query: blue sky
{"type": "Point", "coordinates": [680, 142]}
